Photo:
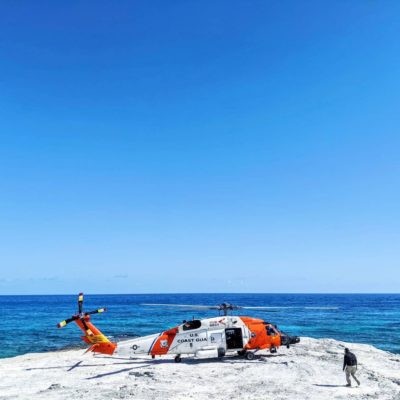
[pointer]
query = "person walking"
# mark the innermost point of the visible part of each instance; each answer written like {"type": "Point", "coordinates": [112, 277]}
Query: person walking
{"type": "Point", "coordinates": [350, 366]}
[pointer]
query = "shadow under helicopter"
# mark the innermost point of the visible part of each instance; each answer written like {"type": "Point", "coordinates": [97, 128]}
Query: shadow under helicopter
{"type": "Point", "coordinates": [233, 359]}
{"type": "Point", "coordinates": [132, 363]}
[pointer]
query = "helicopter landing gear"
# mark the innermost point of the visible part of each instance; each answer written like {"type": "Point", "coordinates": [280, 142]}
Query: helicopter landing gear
{"type": "Point", "coordinates": [272, 350]}
{"type": "Point", "coordinates": [178, 358]}
{"type": "Point", "coordinates": [250, 356]}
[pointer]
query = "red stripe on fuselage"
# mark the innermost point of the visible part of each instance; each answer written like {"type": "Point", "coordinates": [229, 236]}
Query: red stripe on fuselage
{"type": "Point", "coordinates": [163, 342]}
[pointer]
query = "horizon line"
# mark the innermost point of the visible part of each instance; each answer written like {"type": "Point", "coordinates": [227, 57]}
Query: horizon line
{"type": "Point", "coordinates": [200, 293]}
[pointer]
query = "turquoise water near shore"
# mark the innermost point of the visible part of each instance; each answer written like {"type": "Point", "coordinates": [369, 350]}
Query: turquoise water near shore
{"type": "Point", "coordinates": [28, 323]}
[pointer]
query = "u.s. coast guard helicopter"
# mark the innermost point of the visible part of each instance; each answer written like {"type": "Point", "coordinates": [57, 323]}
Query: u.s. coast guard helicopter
{"type": "Point", "coordinates": [205, 338]}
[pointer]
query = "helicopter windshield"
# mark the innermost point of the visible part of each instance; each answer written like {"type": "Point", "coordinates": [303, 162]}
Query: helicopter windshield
{"type": "Point", "coordinates": [271, 331]}
{"type": "Point", "coordinates": [189, 325]}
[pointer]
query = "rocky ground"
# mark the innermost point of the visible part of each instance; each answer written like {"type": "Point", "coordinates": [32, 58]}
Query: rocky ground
{"type": "Point", "coordinates": [309, 370]}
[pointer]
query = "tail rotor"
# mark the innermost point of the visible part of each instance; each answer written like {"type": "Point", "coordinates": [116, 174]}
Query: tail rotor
{"type": "Point", "coordinates": [99, 343]}
{"type": "Point", "coordinates": [80, 315]}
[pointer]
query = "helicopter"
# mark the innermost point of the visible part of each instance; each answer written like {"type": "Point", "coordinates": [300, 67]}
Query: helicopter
{"type": "Point", "coordinates": [204, 338]}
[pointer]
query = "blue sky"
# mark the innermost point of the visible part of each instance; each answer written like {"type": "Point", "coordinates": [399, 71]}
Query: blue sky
{"type": "Point", "coordinates": [189, 146]}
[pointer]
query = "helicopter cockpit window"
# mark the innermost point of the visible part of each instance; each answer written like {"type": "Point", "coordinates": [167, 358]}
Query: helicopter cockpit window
{"type": "Point", "coordinates": [271, 331]}
{"type": "Point", "coordinates": [189, 325]}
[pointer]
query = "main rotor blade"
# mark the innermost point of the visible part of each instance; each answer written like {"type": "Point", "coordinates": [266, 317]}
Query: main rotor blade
{"type": "Point", "coordinates": [263, 310]}
{"type": "Point", "coordinates": [80, 302]}
{"type": "Point", "coordinates": [230, 307]}
{"type": "Point", "coordinates": [100, 310]}
{"type": "Point", "coordinates": [276, 308]}
{"type": "Point", "coordinates": [260, 308]}
{"type": "Point", "coordinates": [67, 321]}
{"type": "Point", "coordinates": [182, 306]}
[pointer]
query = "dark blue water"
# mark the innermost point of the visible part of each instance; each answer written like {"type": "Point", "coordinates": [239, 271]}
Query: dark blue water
{"type": "Point", "coordinates": [28, 323]}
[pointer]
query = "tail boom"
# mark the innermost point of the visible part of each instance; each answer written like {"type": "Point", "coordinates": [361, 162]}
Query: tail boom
{"type": "Point", "coordinates": [93, 336]}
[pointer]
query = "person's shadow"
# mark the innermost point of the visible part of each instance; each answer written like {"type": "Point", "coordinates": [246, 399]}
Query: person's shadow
{"type": "Point", "coordinates": [332, 386]}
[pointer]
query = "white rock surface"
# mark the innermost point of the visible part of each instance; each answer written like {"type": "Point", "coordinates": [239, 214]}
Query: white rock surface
{"type": "Point", "coordinates": [309, 370]}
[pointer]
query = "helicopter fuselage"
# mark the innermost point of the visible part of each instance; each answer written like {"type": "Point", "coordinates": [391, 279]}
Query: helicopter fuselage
{"type": "Point", "coordinates": [211, 337]}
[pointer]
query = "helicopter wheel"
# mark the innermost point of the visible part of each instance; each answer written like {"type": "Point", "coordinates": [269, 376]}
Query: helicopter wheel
{"type": "Point", "coordinates": [221, 353]}
{"type": "Point", "coordinates": [178, 358]}
{"type": "Point", "coordinates": [250, 356]}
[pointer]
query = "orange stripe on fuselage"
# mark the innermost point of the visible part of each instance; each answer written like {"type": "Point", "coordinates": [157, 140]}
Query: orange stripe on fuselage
{"type": "Point", "coordinates": [163, 342]}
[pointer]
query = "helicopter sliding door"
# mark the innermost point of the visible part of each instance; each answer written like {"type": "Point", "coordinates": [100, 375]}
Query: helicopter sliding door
{"type": "Point", "coordinates": [234, 338]}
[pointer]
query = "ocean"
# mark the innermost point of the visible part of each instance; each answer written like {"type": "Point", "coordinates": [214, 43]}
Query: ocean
{"type": "Point", "coordinates": [28, 323]}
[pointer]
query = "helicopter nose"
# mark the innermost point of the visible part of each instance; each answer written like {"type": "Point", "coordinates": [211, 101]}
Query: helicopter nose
{"type": "Point", "coordinates": [294, 339]}
{"type": "Point", "coordinates": [287, 340]}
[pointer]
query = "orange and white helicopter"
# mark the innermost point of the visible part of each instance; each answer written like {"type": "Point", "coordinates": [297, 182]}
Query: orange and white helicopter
{"type": "Point", "coordinates": [205, 338]}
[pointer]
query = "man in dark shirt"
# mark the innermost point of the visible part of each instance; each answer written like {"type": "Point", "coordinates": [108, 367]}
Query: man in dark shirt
{"type": "Point", "coordinates": [350, 366]}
